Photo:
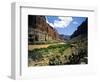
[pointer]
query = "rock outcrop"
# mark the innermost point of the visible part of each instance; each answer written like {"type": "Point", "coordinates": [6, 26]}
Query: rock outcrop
{"type": "Point", "coordinates": [41, 32]}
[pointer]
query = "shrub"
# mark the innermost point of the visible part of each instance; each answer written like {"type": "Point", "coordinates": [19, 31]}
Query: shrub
{"type": "Point", "coordinates": [35, 55]}
{"type": "Point", "coordinates": [55, 61]}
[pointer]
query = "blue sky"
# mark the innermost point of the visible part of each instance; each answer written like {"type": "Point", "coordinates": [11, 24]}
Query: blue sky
{"type": "Point", "coordinates": [65, 25]}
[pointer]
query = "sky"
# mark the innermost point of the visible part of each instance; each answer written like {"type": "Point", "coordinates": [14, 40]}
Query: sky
{"type": "Point", "coordinates": [65, 25]}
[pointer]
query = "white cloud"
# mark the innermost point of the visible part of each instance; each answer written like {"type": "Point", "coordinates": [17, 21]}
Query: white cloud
{"type": "Point", "coordinates": [47, 20]}
{"type": "Point", "coordinates": [61, 22]}
{"type": "Point", "coordinates": [51, 24]}
{"type": "Point", "coordinates": [75, 22]}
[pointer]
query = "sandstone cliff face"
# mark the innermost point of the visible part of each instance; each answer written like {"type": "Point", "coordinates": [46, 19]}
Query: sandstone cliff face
{"type": "Point", "coordinates": [41, 32]}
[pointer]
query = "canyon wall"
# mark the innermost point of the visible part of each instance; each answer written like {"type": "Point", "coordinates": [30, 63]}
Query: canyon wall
{"type": "Point", "coordinates": [39, 31]}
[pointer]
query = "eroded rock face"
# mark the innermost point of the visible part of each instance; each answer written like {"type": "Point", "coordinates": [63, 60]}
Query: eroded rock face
{"type": "Point", "coordinates": [41, 32]}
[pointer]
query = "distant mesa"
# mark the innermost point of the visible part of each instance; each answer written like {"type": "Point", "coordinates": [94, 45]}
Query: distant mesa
{"type": "Point", "coordinates": [65, 37]}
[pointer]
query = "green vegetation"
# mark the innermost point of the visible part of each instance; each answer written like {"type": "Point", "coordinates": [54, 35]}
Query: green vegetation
{"type": "Point", "coordinates": [74, 52]}
{"type": "Point", "coordinates": [52, 53]}
{"type": "Point", "coordinates": [36, 54]}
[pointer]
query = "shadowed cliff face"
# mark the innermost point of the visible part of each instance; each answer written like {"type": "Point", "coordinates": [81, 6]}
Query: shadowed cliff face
{"type": "Point", "coordinates": [82, 29]}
